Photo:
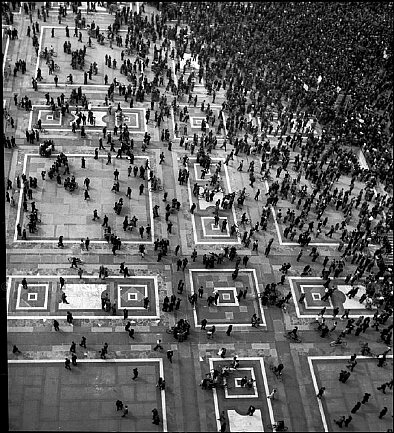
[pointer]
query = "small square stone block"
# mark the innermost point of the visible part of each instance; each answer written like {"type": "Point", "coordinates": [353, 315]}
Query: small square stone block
{"type": "Point", "coordinates": [243, 309]}
{"type": "Point", "coordinates": [229, 315]}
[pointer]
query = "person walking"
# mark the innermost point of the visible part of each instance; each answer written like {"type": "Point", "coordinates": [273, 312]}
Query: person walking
{"type": "Point", "coordinates": [161, 384]}
{"type": "Point", "coordinates": [271, 396]}
{"type": "Point", "coordinates": [382, 388]}
{"type": "Point", "coordinates": [211, 331]}
{"type": "Point", "coordinates": [155, 417]}
{"type": "Point", "coordinates": [125, 411]}
{"type": "Point", "coordinates": [170, 354]}
{"type": "Point", "coordinates": [15, 349]}
{"type": "Point", "coordinates": [251, 410]}
{"type": "Point", "coordinates": [348, 420]}
{"type": "Point", "coordinates": [67, 363]}
{"type": "Point", "coordinates": [135, 372]}
{"type": "Point", "coordinates": [351, 365]}
{"type": "Point", "coordinates": [56, 325]}
{"type": "Point", "coordinates": [365, 398]}
{"type": "Point", "coordinates": [339, 422]}
{"type": "Point", "coordinates": [69, 317]}
{"type": "Point", "coordinates": [223, 422]}
{"type": "Point", "coordinates": [158, 345]}
{"type": "Point", "coordinates": [356, 407]}
{"type": "Point", "coordinates": [381, 360]}
{"type": "Point", "coordinates": [321, 392]}
{"type": "Point", "coordinates": [83, 342]}
{"type": "Point", "coordinates": [229, 329]}
{"type": "Point", "coordinates": [383, 412]}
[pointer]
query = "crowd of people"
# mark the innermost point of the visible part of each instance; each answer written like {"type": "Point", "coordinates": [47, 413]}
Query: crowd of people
{"type": "Point", "coordinates": [326, 78]}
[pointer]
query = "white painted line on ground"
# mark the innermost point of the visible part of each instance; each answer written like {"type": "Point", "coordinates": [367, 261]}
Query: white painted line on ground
{"type": "Point", "coordinates": [222, 241]}
{"type": "Point", "coordinates": [215, 397]}
{"type": "Point", "coordinates": [59, 85]}
{"type": "Point", "coordinates": [163, 396]}
{"type": "Point", "coordinates": [222, 325]}
{"type": "Point", "coordinates": [191, 292]}
{"type": "Point", "coordinates": [173, 123]}
{"type": "Point", "coordinates": [316, 387]}
{"type": "Point", "coordinates": [108, 361]}
{"type": "Point", "coordinates": [267, 391]}
{"type": "Point", "coordinates": [5, 54]}
{"type": "Point", "coordinates": [262, 367]}
{"type": "Point", "coordinates": [313, 316]}
{"type": "Point", "coordinates": [73, 241]}
{"type": "Point", "coordinates": [192, 214]}
{"type": "Point", "coordinates": [224, 124]}
{"type": "Point", "coordinates": [314, 379]}
{"type": "Point", "coordinates": [19, 290]}
{"type": "Point", "coordinates": [48, 277]}
{"type": "Point", "coordinates": [255, 390]}
{"type": "Point", "coordinates": [39, 49]}
{"type": "Point", "coordinates": [230, 191]}
{"type": "Point", "coordinates": [87, 361]}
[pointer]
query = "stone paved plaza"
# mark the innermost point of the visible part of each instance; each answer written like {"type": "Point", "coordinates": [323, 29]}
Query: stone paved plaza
{"type": "Point", "coordinates": [42, 394]}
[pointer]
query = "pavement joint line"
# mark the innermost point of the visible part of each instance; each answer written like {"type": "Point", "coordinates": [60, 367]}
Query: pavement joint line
{"type": "Point", "coordinates": [5, 53]}
{"type": "Point", "coordinates": [267, 392]}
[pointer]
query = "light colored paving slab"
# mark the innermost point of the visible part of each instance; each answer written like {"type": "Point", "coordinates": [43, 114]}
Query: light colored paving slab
{"type": "Point", "coordinates": [142, 347]}
{"type": "Point", "coordinates": [83, 296]}
{"type": "Point", "coordinates": [245, 423]}
{"type": "Point", "coordinates": [101, 329]}
{"type": "Point", "coordinates": [258, 346]}
{"type": "Point", "coordinates": [20, 329]}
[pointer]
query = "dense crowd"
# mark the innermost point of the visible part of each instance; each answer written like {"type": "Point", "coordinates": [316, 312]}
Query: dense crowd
{"type": "Point", "coordinates": [309, 63]}
{"type": "Point", "coordinates": [307, 56]}
{"type": "Point", "coordinates": [329, 62]}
